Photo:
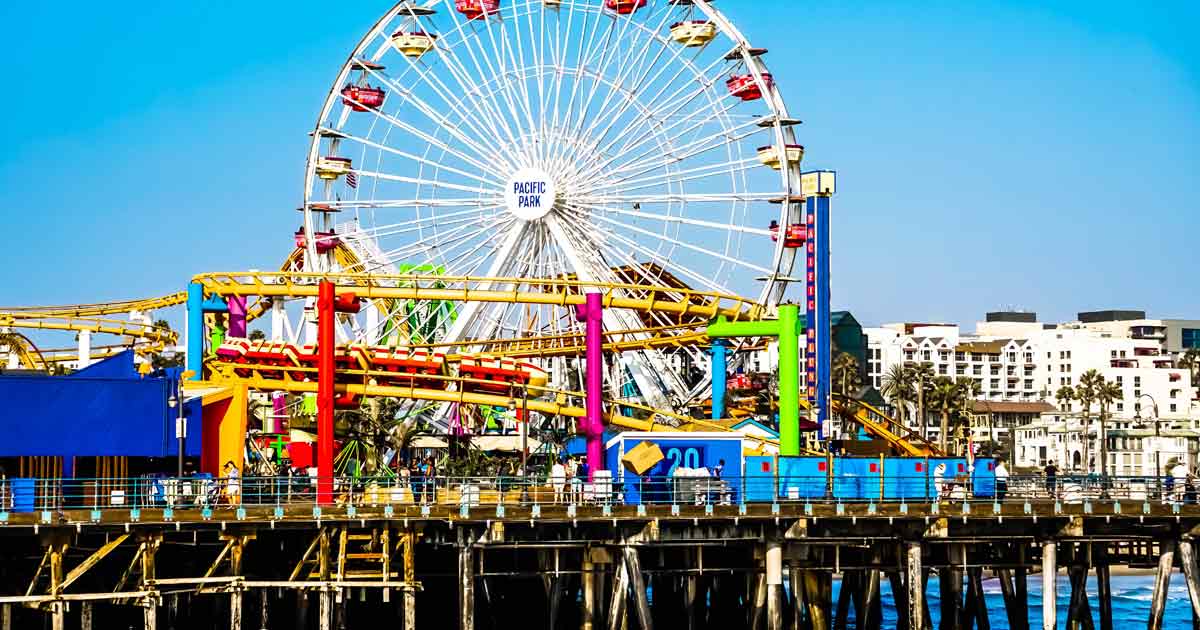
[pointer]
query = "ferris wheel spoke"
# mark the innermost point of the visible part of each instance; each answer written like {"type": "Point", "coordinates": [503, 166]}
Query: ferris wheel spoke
{"type": "Point", "coordinates": [438, 237]}
{"type": "Point", "coordinates": [503, 77]}
{"type": "Point", "coordinates": [504, 51]}
{"type": "Point", "coordinates": [433, 183]}
{"type": "Point", "coordinates": [431, 113]}
{"type": "Point", "coordinates": [680, 244]}
{"type": "Point", "coordinates": [476, 203]}
{"type": "Point", "coordinates": [635, 60]}
{"type": "Point", "coordinates": [469, 44]}
{"type": "Point", "coordinates": [677, 220]}
{"type": "Point", "coordinates": [676, 177]}
{"type": "Point", "coordinates": [583, 57]}
{"type": "Point", "coordinates": [422, 223]}
{"type": "Point", "coordinates": [648, 162]}
{"type": "Point", "coordinates": [728, 135]}
{"type": "Point", "coordinates": [438, 165]}
{"type": "Point", "coordinates": [608, 53]}
{"type": "Point", "coordinates": [662, 261]}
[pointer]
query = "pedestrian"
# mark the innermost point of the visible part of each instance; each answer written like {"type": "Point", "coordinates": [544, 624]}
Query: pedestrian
{"type": "Point", "coordinates": [1179, 476]}
{"type": "Point", "coordinates": [558, 480]}
{"type": "Point", "coordinates": [1051, 472]}
{"type": "Point", "coordinates": [417, 477]}
{"type": "Point", "coordinates": [232, 487]}
{"type": "Point", "coordinates": [939, 476]}
{"type": "Point", "coordinates": [1001, 480]}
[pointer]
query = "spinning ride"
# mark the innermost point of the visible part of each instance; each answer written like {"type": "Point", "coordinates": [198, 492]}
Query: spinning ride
{"type": "Point", "coordinates": [621, 143]}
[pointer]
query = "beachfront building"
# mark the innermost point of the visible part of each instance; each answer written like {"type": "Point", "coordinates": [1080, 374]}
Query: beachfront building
{"type": "Point", "coordinates": [1020, 364]}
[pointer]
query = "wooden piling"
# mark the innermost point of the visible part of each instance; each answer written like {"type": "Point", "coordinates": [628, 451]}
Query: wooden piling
{"type": "Point", "coordinates": [85, 616]}
{"type": "Point", "coordinates": [620, 595]}
{"type": "Point", "coordinates": [915, 582]}
{"type": "Point", "coordinates": [588, 614]}
{"type": "Point", "coordinates": [1049, 585]}
{"type": "Point", "coordinates": [1103, 585]}
{"type": "Point", "coordinates": [950, 587]}
{"type": "Point", "coordinates": [1162, 582]}
{"type": "Point", "coordinates": [466, 587]}
{"type": "Point", "coordinates": [774, 584]}
{"type": "Point", "coordinates": [977, 604]}
{"type": "Point", "coordinates": [846, 595]}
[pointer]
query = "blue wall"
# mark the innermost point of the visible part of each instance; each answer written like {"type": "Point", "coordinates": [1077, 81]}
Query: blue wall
{"type": "Point", "coordinates": [685, 451]}
{"type": "Point", "coordinates": [105, 409]}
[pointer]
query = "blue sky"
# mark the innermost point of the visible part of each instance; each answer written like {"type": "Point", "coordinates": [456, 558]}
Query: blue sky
{"type": "Point", "coordinates": [1042, 155]}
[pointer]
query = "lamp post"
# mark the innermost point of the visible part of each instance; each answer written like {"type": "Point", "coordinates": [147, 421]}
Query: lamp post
{"type": "Point", "coordinates": [1137, 417]}
{"type": "Point", "coordinates": [176, 402]}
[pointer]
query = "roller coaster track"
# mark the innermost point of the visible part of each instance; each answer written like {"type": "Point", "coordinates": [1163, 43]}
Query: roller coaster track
{"type": "Point", "coordinates": [683, 303]}
{"type": "Point", "coordinates": [533, 398]}
{"type": "Point", "coordinates": [158, 337]}
{"type": "Point", "coordinates": [99, 309]}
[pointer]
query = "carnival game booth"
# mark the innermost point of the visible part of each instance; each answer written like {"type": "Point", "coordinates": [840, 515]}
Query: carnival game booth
{"type": "Point", "coordinates": [686, 471]}
{"type": "Point", "coordinates": [871, 479]}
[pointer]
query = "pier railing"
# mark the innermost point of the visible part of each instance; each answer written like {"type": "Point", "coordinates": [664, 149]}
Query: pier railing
{"type": "Point", "coordinates": [209, 493]}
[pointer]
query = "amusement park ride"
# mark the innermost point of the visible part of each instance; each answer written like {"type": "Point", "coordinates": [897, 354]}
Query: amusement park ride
{"type": "Point", "coordinates": [502, 196]}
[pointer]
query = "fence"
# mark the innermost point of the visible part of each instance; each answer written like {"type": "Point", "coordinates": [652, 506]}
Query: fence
{"type": "Point", "coordinates": [205, 492]}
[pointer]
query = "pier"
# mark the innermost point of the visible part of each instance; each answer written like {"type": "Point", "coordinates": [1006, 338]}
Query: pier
{"type": "Point", "coordinates": [582, 565]}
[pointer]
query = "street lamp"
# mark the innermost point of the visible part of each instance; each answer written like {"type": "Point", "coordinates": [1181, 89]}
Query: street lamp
{"type": "Point", "coordinates": [1137, 417]}
{"type": "Point", "coordinates": [180, 431]}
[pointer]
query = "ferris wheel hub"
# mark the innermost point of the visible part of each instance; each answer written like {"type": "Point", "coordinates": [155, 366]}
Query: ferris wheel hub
{"type": "Point", "coordinates": [530, 194]}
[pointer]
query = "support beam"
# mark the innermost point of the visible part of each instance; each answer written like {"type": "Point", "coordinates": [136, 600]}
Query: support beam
{"type": "Point", "coordinates": [58, 610]}
{"type": "Point", "coordinates": [85, 616]}
{"type": "Point", "coordinates": [588, 612]}
{"type": "Point", "coordinates": [950, 586]}
{"type": "Point", "coordinates": [6, 617]}
{"type": "Point", "coordinates": [1079, 613]}
{"type": "Point", "coordinates": [466, 590]}
{"type": "Point", "coordinates": [264, 607]}
{"type": "Point", "coordinates": [774, 584]}
{"type": "Point", "coordinates": [637, 585]}
{"type": "Point", "coordinates": [1162, 582]}
{"type": "Point", "coordinates": [326, 342]}
{"type": "Point", "coordinates": [149, 574]}
{"type": "Point", "coordinates": [1049, 585]}
{"type": "Point", "coordinates": [1104, 587]}
{"type": "Point", "coordinates": [408, 547]}
{"type": "Point", "coordinates": [914, 577]}
{"type": "Point", "coordinates": [1191, 572]}
{"type": "Point", "coordinates": [818, 591]}
{"type": "Point", "coordinates": [870, 612]}
{"type": "Point", "coordinates": [976, 601]}
{"type": "Point", "coordinates": [799, 601]}
{"type": "Point", "coordinates": [620, 595]}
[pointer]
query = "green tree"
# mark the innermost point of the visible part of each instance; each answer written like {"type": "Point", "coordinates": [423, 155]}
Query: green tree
{"type": "Point", "coordinates": [1064, 396]}
{"type": "Point", "coordinates": [899, 388]}
{"type": "Point", "coordinates": [257, 335]}
{"type": "Point", "coordinates": [923, 380]}
{"type": "Point", "coordinates": [1085, 393]}
{"type": "Point", "coordinates": [1190, 361]}
{"type": "Point", "coordinates": [946, 399]}
{"type": "Point", "coordinates": [846, 373]}
{"type": "Point", "coordinates": [968, 390]}
{"type": "Point", "coordinates": [160, 360]}
{"type": "Point", "coordinates": [1107, 392]}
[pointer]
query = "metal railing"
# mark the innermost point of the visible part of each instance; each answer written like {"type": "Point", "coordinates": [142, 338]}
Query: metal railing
{"type": "Point", "coordinates": [208, 493]}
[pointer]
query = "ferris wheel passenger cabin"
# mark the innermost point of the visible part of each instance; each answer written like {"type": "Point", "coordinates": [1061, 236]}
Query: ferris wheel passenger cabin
{"type": "Point", "coordinates": [477, 8]}
{"type": "Point", "coordinates": [414, 44]}
{"type": "Point", "coordinates": [769, 156]}
{"type": "Point", "coordinates": [746, 88]}
{"type": "Point", "coordinates": [331, 167]}
{"type": "Point", "coordinates": [693, 33]}
{"type": "Point", "coordinates": [326, 241]}
{"type": "Point", "coordinates": [360, 98]}
{"type": "Point", "coordinates": [793, 236]}
{"type": "Point", "coordinates": [624, 7]}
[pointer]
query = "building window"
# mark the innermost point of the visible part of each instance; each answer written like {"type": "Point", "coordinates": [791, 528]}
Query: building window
{"type": "Point", "coordinates": [1114, 354]}
{"type": "Point", "coordinates": [941, 368]}
{"type": "Point", "coordinates": [926, 355]}
{"type": "Point", "coordinates": [1173, 407]}
{"type": "Point", "coordinates": [1191, 337]}
{"type": "Point", "coordinates": [1120, 406]}
{"type": "Point", "coordinates": [1028, 383]}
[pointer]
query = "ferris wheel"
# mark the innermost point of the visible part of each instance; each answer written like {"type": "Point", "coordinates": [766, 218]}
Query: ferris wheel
{"type": "Point", "coordinates": [641, 143]}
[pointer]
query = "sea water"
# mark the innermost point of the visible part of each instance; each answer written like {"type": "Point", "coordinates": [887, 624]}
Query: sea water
{"type": "Point", "coordinates": [1130, 601]}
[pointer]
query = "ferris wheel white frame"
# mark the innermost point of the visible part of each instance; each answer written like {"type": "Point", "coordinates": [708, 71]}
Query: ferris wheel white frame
{"type": "Point", "coordinates": [496, 98]}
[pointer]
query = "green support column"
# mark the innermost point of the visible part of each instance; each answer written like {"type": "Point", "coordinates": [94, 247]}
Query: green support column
{"type": "Point", "coordinates": [788, 330]}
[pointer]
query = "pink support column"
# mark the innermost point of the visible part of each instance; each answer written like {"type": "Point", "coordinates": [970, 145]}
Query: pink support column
{"type": "Point", "coordinates": [325, 393]}
{"type": "Point", "coordinates": [237, 315]}
{"type": "Point", "coordinates": [591, 314]}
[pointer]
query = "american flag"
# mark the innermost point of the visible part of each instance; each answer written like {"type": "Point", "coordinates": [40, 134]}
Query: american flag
{"type": "Point", "coordinates": [352, 179]}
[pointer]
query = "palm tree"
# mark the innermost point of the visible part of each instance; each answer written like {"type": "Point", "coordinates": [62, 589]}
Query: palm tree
{"type": "Point", "coordinates": [1085, 393]}
{"type": "Point", "coordinates": [1064, 396]}
{"type": "Point", "coordinates": [846, 373]}
{"type": "Point", "coordinates": [1190, 361]}
{"type": "Point", "coordinates": [1107, 393]}
{"type": "Point", "coordinates": [899, 389]}
{"type": "Point", "coordinates": [923, 377]}
{"type": "Point", "coordinates": [945, 398]}
{"type": "Point", "coordinates": [969, 389]}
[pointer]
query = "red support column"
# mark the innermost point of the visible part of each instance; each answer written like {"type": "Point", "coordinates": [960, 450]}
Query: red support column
{"type": "Point", "coordinates": [326, 343]}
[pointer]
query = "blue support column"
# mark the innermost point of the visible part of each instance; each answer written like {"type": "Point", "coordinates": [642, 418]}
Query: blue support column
{"type": "Point", "coordinates": [719, 375]}
{"type": "Point", "coordinates": [195, 330]}
{"type": "Point", "coordinates": [818, 348]}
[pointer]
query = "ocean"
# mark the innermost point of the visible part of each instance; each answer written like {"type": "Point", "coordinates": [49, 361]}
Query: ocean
{"type": "Point", "coordinates": [1131, 602]}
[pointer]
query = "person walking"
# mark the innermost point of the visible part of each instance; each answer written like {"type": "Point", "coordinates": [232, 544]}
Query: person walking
{"type": "Point", "coordinates": [1001, 480]}
{"type": "Point", "coordinates": [233, 487]}
{"type": "Point", "coordinates": [939, 477]}
{"type": "Point", "coordinates": [1051, 472]}
{"type": "Point", "coordinates": [1179, 475]}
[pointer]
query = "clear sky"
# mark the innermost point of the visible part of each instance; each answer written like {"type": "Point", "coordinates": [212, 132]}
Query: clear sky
{"type": "Point", "coordinates": [1042, 155]}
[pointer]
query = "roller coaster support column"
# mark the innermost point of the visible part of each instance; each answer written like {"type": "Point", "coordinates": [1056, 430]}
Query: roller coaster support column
{"type": "Point", "coordinates": [719, 376]}
{"type": "Point", "coordinates": [591, 313]}
{"type": "Point", "coordinates": [325, 376]}
{"type": "Point", "coordinates": [788, 330]}
{"type": "Point", "coordinates": [237, 315]}
{"type": "Point", "coordinates": [329, 304]}
{"type": "Point", "coordinates": [197, 306]}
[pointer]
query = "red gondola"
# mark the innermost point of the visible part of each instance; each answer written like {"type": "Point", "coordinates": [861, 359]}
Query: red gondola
{"type": "Point", "coordinates": [478, 8]}
{"type": "Point", "coordinates": [746, 88]}
{"type": "Point", "coordinates": [794, 236]}
{"type": "Point", "coordinates": [326, 241]}
{"type": "Point", "coordinates": [624, 7]}
{"type": "Point", "coordinates": [360, 98]}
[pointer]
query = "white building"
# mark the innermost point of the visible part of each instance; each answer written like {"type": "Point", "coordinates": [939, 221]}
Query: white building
{"type": "Point", "coordinates": [1023, 363]}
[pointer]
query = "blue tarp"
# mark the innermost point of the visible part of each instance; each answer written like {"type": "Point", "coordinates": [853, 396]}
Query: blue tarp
{"type": "Point", "coordinates": [106, 409]}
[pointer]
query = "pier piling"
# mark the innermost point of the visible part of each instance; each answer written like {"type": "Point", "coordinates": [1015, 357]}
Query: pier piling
{"type": "Point", "coordinates": [1049, 585]}
{"type": "Point", "coordinates": [1162, 582]}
